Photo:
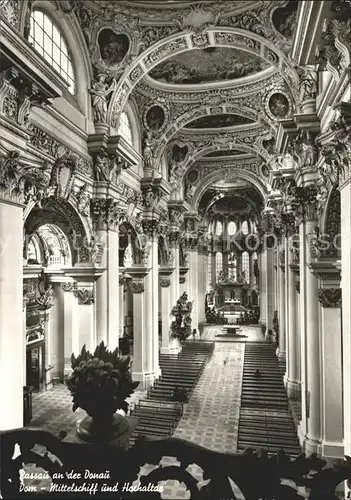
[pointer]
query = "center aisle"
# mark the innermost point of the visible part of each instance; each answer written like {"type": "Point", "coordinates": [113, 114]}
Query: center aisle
{"type": "Point", "coordinates": [211, 418]}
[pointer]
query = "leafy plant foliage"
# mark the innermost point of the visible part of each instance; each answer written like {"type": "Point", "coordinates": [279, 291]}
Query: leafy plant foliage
{"type": "Point", "coordinates": [101, 381]}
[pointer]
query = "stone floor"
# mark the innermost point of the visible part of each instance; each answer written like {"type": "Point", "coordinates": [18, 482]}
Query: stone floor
{"type": "Point", "coordinates": [211, 417]}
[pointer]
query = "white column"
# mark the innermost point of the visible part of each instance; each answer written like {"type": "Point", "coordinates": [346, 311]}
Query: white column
{"type": "Point", "coordinates": [70, 325]}
{"type": "Point", "coordinates": [183, 285]}
{"type": "Point", "coordinates": [143, 359]}
{"type": "Point", "coordinates": [106, 214]}
{"type": "Point", "coordinates": [166, 306]}
{"type": "Point", "coordinates": [12, 336]}
{"type": "Point", "coordinates": [282, 282]}
{"type": "Point", "coordinates": [121, 283]}
{"type": "Point", "coordinates": [193, 286]}
{"type": "Point", "coordinates": [266, 288]}
{"type": "Point", "coordinates": [155, 304]}
{"type": "Point", "coordinates": [332, 408]}
{"type": "Point", "coordinates": [345, 202]}
{"type": "Point", "coordinates": [202, 283]}
{"type": "Point", "coordinates": [175, 289]}
{"type": "Point", "coordinates": [293, 351]}
{"type": "Point", "coordinates": [311, 381]}
{"type": "Point", "coordinates": [86, 317]}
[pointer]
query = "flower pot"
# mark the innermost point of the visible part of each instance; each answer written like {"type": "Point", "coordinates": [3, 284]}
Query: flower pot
{"type": "Point", "coordinates": [105, 429]}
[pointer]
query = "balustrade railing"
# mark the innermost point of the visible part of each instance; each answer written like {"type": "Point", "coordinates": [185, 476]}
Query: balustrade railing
{"type": "Point", "coordinates": [35, 463]}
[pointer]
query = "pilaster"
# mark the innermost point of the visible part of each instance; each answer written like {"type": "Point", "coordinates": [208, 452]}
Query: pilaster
{"type": "Point", "coordinates": [329, 296]}
{"type": "Point", "coordinates": [144, 369]}
{"type": "Point", "coordinates": [11, 313]}
{"type": "Point", "coordinates": [107, 214]}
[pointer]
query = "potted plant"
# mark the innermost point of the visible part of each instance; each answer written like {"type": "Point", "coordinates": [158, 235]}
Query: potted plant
{"type": "Point", "coordinates": [100, 384]}
{"type": "Point", "coordinates": [181, 325]}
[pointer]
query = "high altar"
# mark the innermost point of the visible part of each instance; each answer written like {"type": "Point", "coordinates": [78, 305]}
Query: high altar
{"type": "Point", "coordinates": [231, 289]}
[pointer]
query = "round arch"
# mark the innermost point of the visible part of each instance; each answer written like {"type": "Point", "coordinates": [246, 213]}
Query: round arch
{"type": "Point", "coordinates": [182, 42]}
{"type": "Point", "coordinates": [70, 28]}
{"type": "Point", "coordinates": [61, 213]}
{"type": "Point", "coordinates": [181, 171]}
{"type": "Point", "coordinates": [188, 117]}
{"type": "Point", "coordinates": [217, 175]}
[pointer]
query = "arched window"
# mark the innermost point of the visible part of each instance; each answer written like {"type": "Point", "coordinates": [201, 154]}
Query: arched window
{"type": "Point", "coordinates": [219, 264]}
{"type": "Point", "coordinates": [231, 228]}
{"type": "Point", "coordinates": [49, 42]}
{"type": "Point", "coordinates": [124, 129]}
{"type": "Point", "coordinates": [245, 228]}
{"type": "Point", "coordinates": [219, 228]}
{"type": "Point", "coordinates": [246, 265]}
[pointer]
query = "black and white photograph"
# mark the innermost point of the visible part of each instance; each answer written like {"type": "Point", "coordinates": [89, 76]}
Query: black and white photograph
{"type": "Point", "coordinates": [175, 249]}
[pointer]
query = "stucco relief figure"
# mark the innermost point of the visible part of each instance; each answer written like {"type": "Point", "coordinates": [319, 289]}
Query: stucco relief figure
{"type": "Point", "coordinates": [100, 91]}
{"type": "Point", "coordinates": [147, 152]}
{"type": "Point", "coordinates": [308, 83]}
{"type": "Point", "coordinates": [102, 170]}
{"type": "Point", "coordinates": [189, 192]}
{"type": "Point", "coordinates": [83, 199]}
{"type": "Point", "coordinates": [308, 150]}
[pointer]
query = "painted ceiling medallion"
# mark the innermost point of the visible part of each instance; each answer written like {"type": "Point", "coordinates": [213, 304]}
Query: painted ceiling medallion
{"type": "Point", "coordinates": [155, 118]}
{"type": "Point", "coordinates": [279, 105]}
{"type": "Point", "coordinates": [179, 153]}
{"type": "Point", "coordinates": [218, 121]}
{"type": "Point", "coordinates": [213, 64]}
{"type": "Point", "coordinates": [113, 47]}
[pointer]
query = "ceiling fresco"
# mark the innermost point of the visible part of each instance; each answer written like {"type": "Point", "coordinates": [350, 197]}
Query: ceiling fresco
{"type": "Point", "coordinates": [218, 121]}
{"type": "Point", "coordinates": [226, 152]}
{"type": "Point", "coordinates": [213, 64]}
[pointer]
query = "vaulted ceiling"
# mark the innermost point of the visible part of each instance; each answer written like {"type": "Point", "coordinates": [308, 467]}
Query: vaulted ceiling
{"type": "Point", "coordinates": [210, 80]}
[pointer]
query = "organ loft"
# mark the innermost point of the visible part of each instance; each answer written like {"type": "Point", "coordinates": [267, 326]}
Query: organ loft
{"type": "Point", "coordinates": [175, 248]}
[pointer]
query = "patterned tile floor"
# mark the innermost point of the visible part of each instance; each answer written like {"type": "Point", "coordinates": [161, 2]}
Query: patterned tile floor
{"type": "Point", "coordinates": [211, 417]}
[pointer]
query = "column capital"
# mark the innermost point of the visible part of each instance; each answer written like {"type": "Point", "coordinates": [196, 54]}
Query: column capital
{"type": "Point", "coordinates": [190, 240]}
{"type": "Point", "coordinates": [164, 281]}
{"type": "Point", "coordinates": [106, 213]}
{"type": "Point", "coordinates": [330, 297]}
{"type": "Point", "coordinates": [174, 236]}
{"type": "Point", "coordinates": [85, 296]}
{"type": "Point", "coordinates": [137, 286]}
{"type": "Point", "coordinates": [12, 182]}
{"type": "Point", "coordinates": [68, 286]}
{"type": "Point", "coordinates": [308, 202]}
{"type": "Point", "coordinates": [176, 212]}
{"type": "Point", "coordinates": [152, 227]}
